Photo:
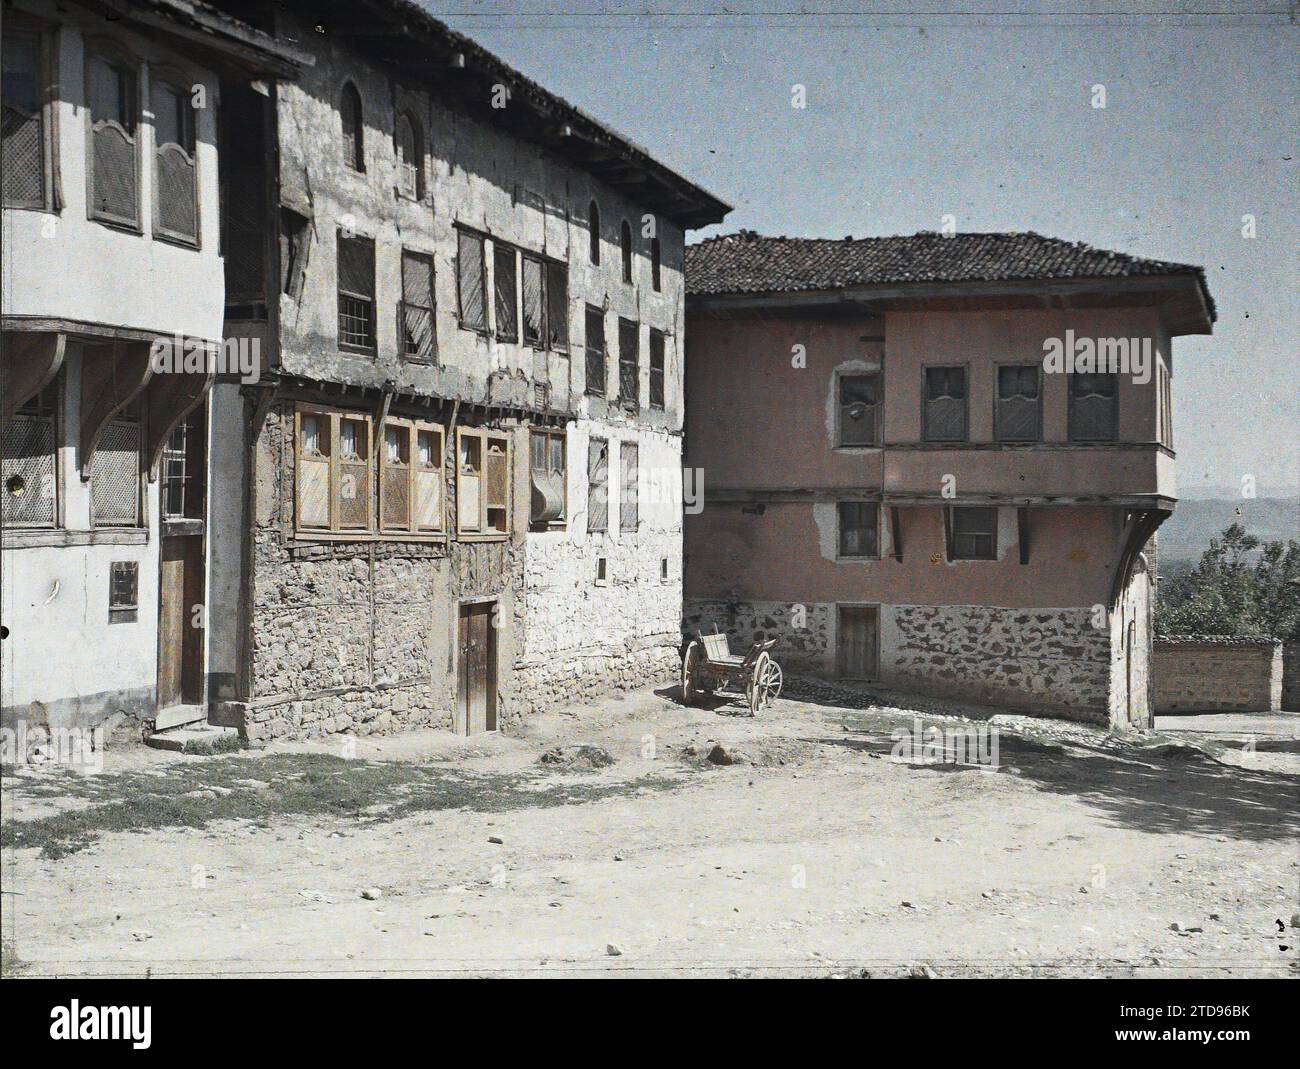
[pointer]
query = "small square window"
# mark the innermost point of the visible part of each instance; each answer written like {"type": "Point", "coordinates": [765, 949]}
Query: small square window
{"type": "Point", "coordinates": [123, 591]}
{"type": "Point", "coordinates": [974, 533]}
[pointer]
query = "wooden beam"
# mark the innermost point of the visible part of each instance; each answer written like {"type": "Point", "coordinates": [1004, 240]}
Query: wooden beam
{"type": "Point", "coordinates": [896, 532]}
{"type": "Point", "coordinates": [31, 360]}
{"type": "Point", "coordinates": [168, 400]}
{"type": "Point", "coordinates": [112, 376]}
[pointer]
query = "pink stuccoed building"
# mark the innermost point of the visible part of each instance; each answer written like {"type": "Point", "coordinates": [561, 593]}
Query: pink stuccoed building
{"type": "Point", "coordinates": [937, 462]}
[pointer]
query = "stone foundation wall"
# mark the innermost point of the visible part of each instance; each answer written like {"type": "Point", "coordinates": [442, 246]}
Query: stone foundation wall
{"type": "Point", "coordinates": [1199, 673]}
{"type": "Point", "coordinates": [1050, 661]}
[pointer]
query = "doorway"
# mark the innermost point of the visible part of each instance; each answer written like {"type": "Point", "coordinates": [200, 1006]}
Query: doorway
{"type": "Point", "coordinates": [858, 642]}
{"type": "Point", "coordinates": [476, 675]}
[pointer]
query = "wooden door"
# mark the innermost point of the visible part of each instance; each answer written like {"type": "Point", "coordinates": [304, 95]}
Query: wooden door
{"type": "Point", "coordinates": [180, 621]}
{"type": "Point", "coordinates": [476, 675]}
{"type": "Point", "coordinates": [857, 642]}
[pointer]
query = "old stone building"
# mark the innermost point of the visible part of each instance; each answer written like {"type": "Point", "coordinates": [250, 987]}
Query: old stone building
{"type": "Point", "coordinates": [110, 244]}
{"type": "Point", "coordinates": [937, 462]}
{"type": "Point", "coordinates": [452, 496]}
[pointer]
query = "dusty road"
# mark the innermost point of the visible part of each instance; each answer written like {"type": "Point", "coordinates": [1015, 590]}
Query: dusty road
{"type": "Point", "coordinates": [816, 853]}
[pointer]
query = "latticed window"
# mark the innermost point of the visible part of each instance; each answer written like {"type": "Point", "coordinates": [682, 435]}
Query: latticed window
{"type": "Point", "coordinates": [471, 281]}
{"type": "Point", "coordinates": [113, 116]}
{"type": "Point", "coordinates": [356, 269]}
{"type": "Point", "coordinates": [1094, 408]}
{"type": "Point", "coordinates": [596, 355]}
{"type": "Point", "coordinates": [175, 196]}
{"type": "Point", "coordinates": [597, 485]}
{"type": "Point", "coordinates": [410, 484]}
{"type": "Point", "coordinates": [115, 473]}
{"type": "Point", "coordinates": [505, 280]}
{"type": "Point", "coordinates": [22, 124]}
{"type": "Point", "coordinates": [973, 533]}
{"type": "Point", "coordinates": [859, 529]}
{"type": "Point", "coordinates": [418, 339]}
{"type": "Point", "coordinates": [625, 249]}
{"type": "Point", "coordinates": [28, 463]}
{"type": "Point", "coordinates": [944, 414]}
{"type": "Point", "coordinates": [547, 473]}
{"type": "Point", "coordinates": [1017, 418]}
{"type": "Point", "coordinates": [629, 363]}
{"type": "Point", "coordinates": [410, 157]}
{"type": "Point", "coordinates": [859, 410]}
{"type": "Point", "coordinates": [354, 136]}
{"type": "Point", "coordinates": [656, 369]}
{"type": "Point", "coordinates": [482, 482]}
{"type": "Point", "coordinates": [629, 502]}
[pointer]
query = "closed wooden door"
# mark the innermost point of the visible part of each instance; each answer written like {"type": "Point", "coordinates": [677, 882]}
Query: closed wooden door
{"type": "Point", "coordinates": [858, 637]}
{"type": "Point", "coordinates": [477, 669]}
{"type": "Point", "coordinates": [180, 621]}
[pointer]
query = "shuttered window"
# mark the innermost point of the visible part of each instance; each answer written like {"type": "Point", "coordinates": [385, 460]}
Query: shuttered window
{"type": "Point", "coordinates": [505, 281]}
{"type": "Point", "coordinates": [629, 504]}
{"type": "Point", "coordinates": [657, 347]}
{"type": "Point", "coordinates": [944, 413]}
{"type": "Point", "coordinates": [471, 281]}
{"type": "Point", "coordinates": [417, 320]}
{"type": "Point", "coordinates": [597, 485]}
{"type": "Point", "coordinates": [629, 364]}
{"type": "Point", "coordinates": [356, 281]}
{"type": "Point", "coordinates": [557, 306]}
{"type": "Point", "coordinates": [113, 114]}
{"type": "Point", "coordinates": [859, 410]}
{"type": "Point", "coordinates": [534, 306]}
{"type": "Point", "coordinates": [596, 355]}
{"type": "Point", "coordinates": [1017, 417]}
{"type": "Point", "coordinates": [28, 483]}
{"type": "Point", "coordinates": [175, 191]}
{"type": "Point", "coordinates": [547, 473]}
{"type": "Point", "coordinates": [410, 480]}
{"type": "Point", "coordinates": [22, 120]}
{"type": "Point", "coordinates": [1094, 408]}
{"type": "Point", "coordinates": [333, 492]}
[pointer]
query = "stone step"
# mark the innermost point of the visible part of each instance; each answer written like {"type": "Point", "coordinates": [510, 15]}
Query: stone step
{"type": "Point", "coordinates": [196, 739]}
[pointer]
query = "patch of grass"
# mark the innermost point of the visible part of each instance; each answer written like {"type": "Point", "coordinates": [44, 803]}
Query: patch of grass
{"type": "Point", "coordinates": [284, 785]}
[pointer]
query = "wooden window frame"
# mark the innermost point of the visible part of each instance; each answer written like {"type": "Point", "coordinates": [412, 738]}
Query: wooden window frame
{"type": "Point", "coordinates": [590, 311]}
{"type": "Point", "coordinates": [117, 54]}
{"type": "Point", "coordinates": [353, 347]}
{"type": "Point", "coordinates": [431, 357]}
{"type": "Point", "coordinates": [550, 434]}
{"type": "Point", "coordinates": [877, 408]}
{"type": "Point", "coordinates": [482, 532]}
{"type": "Point", "coordinates": [412, 429]}
{"type": "Point", "coordinates": [997, 403]}
{"type": "Point", "coordinates": [631, 402]}
{"type": "Point", "coordinates": [416, 166]}
{"type": "Point", "coordinates": [662, 403]}
{"type": "Point", "coordinates": [925, 403]}
{"type": "Point", "coordinates": [332, 417]}
{"type": "Point", "coordinates": [503, 251]}
{"type": "Point", "coordinates": [951, 532]}
{"type": "Point", "coordinates": [1072, 430]}
{"type": "Point", "coordinates": [176, 81]}
{"type": "Point", "coordinates": [22, 24]}
{"type": "Point", "coordinates": [483, 329]}
{"type": "Point", "coordinates": [594, 440]}
{"type": "Point", "coordinates": [839, 531]}
{"type": "Point", "coordinates": [526, 258]}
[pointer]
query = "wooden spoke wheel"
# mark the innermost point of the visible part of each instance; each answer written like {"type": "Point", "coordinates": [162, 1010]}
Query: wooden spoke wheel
{"type": "Point", "coordinates": [692, 671]}
{"type": "Point", "coordinates": [764, 684]}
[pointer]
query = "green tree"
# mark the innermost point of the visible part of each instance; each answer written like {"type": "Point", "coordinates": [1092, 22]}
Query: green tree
{"type": "Point", "coordinates": [1230, 592]}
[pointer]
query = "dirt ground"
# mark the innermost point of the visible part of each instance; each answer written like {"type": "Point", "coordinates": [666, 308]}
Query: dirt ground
{"type": "Point", "coordinates": [816, 852]}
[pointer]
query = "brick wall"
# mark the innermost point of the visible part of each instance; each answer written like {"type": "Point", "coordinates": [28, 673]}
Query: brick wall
{"type": "Point", "coordinates": [1196, 673]}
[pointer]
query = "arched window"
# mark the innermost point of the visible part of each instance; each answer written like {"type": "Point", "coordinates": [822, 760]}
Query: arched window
{"type": "Point", "coordinates": [655, 264]}
{"type": "Point", "coordinates": [410, 156]}
{"type": "Point", "coordinates": [354, 146]}
{"type": "Point", "coordinates": [593, 232]}
{"type": "Point", "coordinates": [625, 247]}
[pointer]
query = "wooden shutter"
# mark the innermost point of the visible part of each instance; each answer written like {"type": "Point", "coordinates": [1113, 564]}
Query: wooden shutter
{"type": "Point", "coordinates": [471, 281]}
{"type": "Point", "coordinates": [313, 472]}
{"type": "Point", "coordinates": [469, 480]}
{"type": "Point", "coordinates": [597, 485]}
{"type": "Point", "coordinates": [557, 306]}
{"type": "Point", "coordinates": [351, 485]}
{"type": "Point", "coordinates": [427, 481]}
{"type": "Point", "coordinates": [496, 497]}
{"type": "Point", "coordinates": [175, 196]}
{"type": "Point", "coordinates": [396, 464]}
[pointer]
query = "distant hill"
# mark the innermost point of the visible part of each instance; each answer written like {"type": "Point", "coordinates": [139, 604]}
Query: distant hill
{"type": "Point", "coordinates": [1187, 533]}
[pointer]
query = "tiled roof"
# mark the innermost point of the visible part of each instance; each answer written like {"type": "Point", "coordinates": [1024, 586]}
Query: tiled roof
{"type": "Point", "coordinates": [749, 263]}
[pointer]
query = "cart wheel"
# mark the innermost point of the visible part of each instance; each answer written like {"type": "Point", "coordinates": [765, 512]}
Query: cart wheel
{"type": "Point", "coordinates": [764, 684]}
{"type": "Point", "coordinates": [691, 667]}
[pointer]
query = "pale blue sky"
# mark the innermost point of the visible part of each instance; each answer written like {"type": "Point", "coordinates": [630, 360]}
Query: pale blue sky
{"type": "Point", "coordinates": [910, 117]}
